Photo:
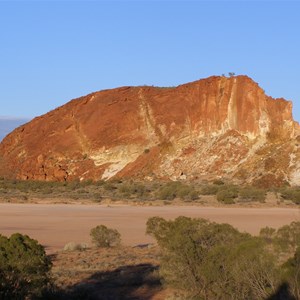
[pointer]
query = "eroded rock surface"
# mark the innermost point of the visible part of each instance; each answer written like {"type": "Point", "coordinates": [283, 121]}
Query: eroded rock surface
{"type": "Point", "coordinates": [215, 127]}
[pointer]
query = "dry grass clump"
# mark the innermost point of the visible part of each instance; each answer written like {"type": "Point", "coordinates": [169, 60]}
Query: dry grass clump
{"type": "Point", "coordinates": [72, 246]}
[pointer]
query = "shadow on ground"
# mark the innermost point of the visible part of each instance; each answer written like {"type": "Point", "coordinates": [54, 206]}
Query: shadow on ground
{"type": "Point", "coordinates": [282, 293]}
{"type": "Point", "coordinates": [133, 282]}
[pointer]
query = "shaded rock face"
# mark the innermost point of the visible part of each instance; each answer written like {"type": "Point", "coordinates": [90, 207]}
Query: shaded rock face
{"type": "Point", "coordinates": [215, 127]}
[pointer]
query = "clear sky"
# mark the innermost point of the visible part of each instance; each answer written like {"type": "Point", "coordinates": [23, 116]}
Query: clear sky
{"type": "Point", "coordinates": [53, 51]}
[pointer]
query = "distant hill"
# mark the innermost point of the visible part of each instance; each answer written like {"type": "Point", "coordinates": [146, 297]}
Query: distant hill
{"type": "Point", "coordinates": [8, 124]}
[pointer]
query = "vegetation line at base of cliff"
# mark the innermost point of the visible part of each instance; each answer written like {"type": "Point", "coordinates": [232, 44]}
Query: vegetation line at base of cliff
{"type": "Point", "coordinates": [145, 192]}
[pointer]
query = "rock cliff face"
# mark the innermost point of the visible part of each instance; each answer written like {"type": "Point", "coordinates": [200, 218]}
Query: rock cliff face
{"type": "Point", "coordinates": [215, 127]}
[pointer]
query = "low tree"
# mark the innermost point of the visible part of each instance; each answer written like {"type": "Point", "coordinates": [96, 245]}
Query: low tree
{"type": "Point", "coordinates": [291, 271]}
{"type": "Point", "coordinates": [284, 240]}
{"type": "Point", "coordinates": [104, 237]}
{"type": "Point", "coordinates": [24, 267]}
{"type": "Point", "coordinates": [213, 261]}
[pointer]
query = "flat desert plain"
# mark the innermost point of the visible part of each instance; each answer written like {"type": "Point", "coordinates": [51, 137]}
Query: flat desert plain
{"type": "Point", "coordinates": [54, 225]}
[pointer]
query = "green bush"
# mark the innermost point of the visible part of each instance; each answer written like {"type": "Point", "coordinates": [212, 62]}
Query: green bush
{"type": "Point", "coordinates": [211, 189]}
{"type": "Point", "coordinates": [227, 195]}
{"type": "Point", "coordinates": [252, 194]}
{"type": "Point", "coordinates": [109, 186]}
{"type": "Point", "coordinates": [218, 182]}
{"type": "Point", "coordinates": [267, 233]}
{"type": "Point", "coordinates": [292, 194]}
{"type": "Point", "coordinates": [287, 237]}
{"type": "Point", "coordinates": [24, 272]}
{"type": "Point", "coordinates": [167, 191]}
{"type": "Point", "coordinates": [104, 237]}
{"type": "Point", "coordinates": [291, 271]}
{"type": "Point", "coordinates": [193, 195]}
{"type": "Point", "coordinates": [213, 261]}
{"type": "Point", "coordinates": [177, 189]}
{"type": "Point", "coordinates": [132, 189]}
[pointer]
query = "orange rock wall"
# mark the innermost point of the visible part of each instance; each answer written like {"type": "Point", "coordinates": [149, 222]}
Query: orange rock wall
{"type": "Point", "coordinates": [145, 131]}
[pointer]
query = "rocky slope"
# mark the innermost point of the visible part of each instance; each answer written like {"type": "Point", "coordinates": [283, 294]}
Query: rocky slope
{"type": "Point", "coordinates": [7, 124]}
{"type": "Point", "coordinates": [211, 128]}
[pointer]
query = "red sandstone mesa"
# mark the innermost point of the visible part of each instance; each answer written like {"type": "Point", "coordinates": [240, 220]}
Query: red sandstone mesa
{"type": "Point", "coordinates": [213, 127]}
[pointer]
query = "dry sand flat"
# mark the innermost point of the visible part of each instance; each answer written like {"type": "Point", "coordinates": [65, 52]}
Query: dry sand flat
{"type": "Point", "coordinates": [54, 225]}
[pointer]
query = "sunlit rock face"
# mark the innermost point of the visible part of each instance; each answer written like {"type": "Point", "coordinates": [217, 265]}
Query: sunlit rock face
{"type": "Point", "coordinates": [211, 128]}
{"type": "Point", "coordinates": [8, 124]}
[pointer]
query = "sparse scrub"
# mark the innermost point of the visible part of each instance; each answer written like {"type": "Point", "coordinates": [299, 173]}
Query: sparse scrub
{"type": "Point", "coordinates": [292, 194]}
{"type": "Point", "coordinates": [193, 195]}
{"type": "Point", "coordinates": [109, 186]}
{"type": "Point", "coordinates": [252, 194]}
{"type": "Point", "coordinates": [97, 197]}
{"type": "Point", "coordinates": [134, 190]}
{"type": "Point", "coordinates": [104, 237]}
{"type": "Point", "coordinates": [176, 189]}
{"type": "Point", "coordinates": [130, 190]}
{"type": "Point", "coordinates": [227, 194]}
{"type": "Point", "coordinates": [210, 189]}
{"type": "Point", "coordinates": [73, 185]}
{"type": "Point", "coordinates": [218, 182]}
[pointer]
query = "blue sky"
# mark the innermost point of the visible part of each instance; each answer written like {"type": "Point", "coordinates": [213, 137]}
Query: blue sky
{"type": "Point", "coordinates": [53, 51]}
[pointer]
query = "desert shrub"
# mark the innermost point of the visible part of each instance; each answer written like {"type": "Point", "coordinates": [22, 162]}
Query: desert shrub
{"type": "Point", "coordinates": [218, 182]}
{"type": "Point", "coordinates": [287, 237]}
{"type": "Point", "coordinates": [110, 186]}
{"type": "Point", "coordinates": [168, 191]}
{"type": "Point", "coordinates": [104, 237]}
{"type": "Point", "coordinates": [73, 185]}
{"type": "Point", "coordinates": [87, 182]}
{"type": "Point", "coordinates": [47, 191]}
{"type": "Point", "coordinates": [210, 189]}
{"type": "Point", "coordinates": [213, 261]}
{"type": "Point", "coordinates": [140, 190]}
{"type": "Point", "coordinates": [82, 191]}
{"type": "Point", "coordinates": [97, 197]}
{"type": "Point", "coordinates": [193, 195]}
{"type": "Point", "coordinates": [125, 188]}
{"type": "Point", "coordinates": [133, 190]}
{"type": "Point", "coordinates": [291, 273]}
{"type": "Point", "coordinates": [267, 233]}
{"type": "Point", "coordinates": [177, 189]}
{"type": "Point", "coordinates": [252, 194]}
{"type": "Point", "coordinates": [291, 194]}
{"type": "Point", "coordinates": [25, 268]}
{"type": "Point", "coordinates": [227, 195]}
{"type": "Point", "coordinates": [99, 183]}
{"type": "Point", "coordinates": [284, 241]}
